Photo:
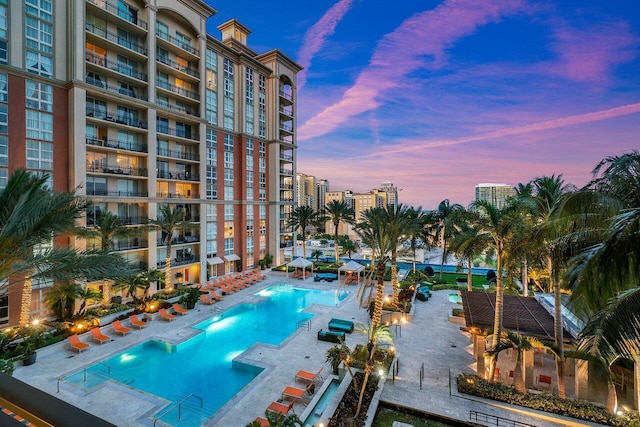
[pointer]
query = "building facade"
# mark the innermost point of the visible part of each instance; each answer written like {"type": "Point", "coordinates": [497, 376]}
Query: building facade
{"type": "Point", "coordinates": [495, 194]}
{"type": "Point", "coordinates": [136, 106]}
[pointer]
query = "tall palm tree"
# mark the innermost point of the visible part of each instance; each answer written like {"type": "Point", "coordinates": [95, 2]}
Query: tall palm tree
{"type": "Point", "coordinates": [168, 222]}
{"type": "Point", "coordinates": [60, 298]}
{"type": "Point", "coordinates": [400, 222]}
{"type": "Point", "coordinates": [443, 223]}
{"type": "Point", "coordinates": [520, 343]}
{"type": "Point", "coordinates": [301, 218]}
{"type": "Point", "coordinates": [372, 229]}
{"type": "Point", "coordinates": [495, 227]}
{"type": "Point", "coordinates": [468, 244]}
{"type": "Point", "coordinates": [338, 211]}
{"type": "Point", "coordinates": [348, 246]}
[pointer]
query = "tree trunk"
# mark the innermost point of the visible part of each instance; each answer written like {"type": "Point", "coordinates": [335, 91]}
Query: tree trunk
{"type": "Point", "coordinates": [557, 329]}
{"type": "Point", "coordinates": [167, 267]}
{"type": "Point", "coordinates": [367, 372]}
{"type": "Point", "coordinates": [377, 308]}
{"type": "Point", "coordinates": [25, 308]}
{"type": "Point", "coordinates": [518, 377]}
{"type": "Point", "coordinates": [335, 241]}
{"type": "Point", "coordinates": [469, 275]}
{"type": "Point", "coordinates": [612, 396]}
{"type": "Point", "coordinates": [525, 277]}
{"type": "Point", "coordinates": [497, 319]}
{"type": "Point", "coordinates": [443, 252]}
{"type": "Point", "coordinates": [394, 279]}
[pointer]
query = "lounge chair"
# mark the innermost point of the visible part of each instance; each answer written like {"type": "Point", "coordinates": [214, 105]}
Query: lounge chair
{"type": "Point", "coordinates": [98, 336]}
{"type": "Point", "coordinates": [165, 315]}
{"type": "Point", "coordinates": [296, 393]}
{"type": "Point", "coordinates": [309, 376]}
{"type": "Point", "coordinates": [179, 309]}
{"type": "Point", "coordinates": [280, 408]}
{"type": "Point", "coordinates": [207, 299]}
{"type": "Point", "coordinates": [119, 328]}
{"type": "Point", "coordinates": [76, 344]}
{"type": "Point", "coordinates": [136, 322]}
{"type": "Point", "coordinates": [263, 422]}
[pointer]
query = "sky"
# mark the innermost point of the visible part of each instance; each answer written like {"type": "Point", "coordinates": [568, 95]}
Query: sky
{"type": "Point", "coordinates": [439, 96]}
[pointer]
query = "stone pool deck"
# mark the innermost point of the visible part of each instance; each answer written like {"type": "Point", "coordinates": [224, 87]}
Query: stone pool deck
{"type": "Point", "coordinates": [430, 339]}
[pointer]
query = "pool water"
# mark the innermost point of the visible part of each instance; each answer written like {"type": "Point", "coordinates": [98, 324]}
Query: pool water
{"type": "Point", "coordinates": [321, 405]}
{"type": "Point", "coordinates": [202, 366]}
{"type": "Point", "coordinates": [455, 298]}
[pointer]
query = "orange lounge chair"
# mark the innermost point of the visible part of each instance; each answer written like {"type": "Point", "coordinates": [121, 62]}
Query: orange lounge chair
{"type": "Point", "coordinates": [296, 393]}
{"type": "Point", "coordinates": [136, 322]}
{"type": "Point", "coordinates": [165, 315]}
{"type": "Point", "coordinates": [76, 344]}
{"type": "Point", "coordinates": [226, 289]}
{"type": "Point", "coordinates": [280, 408]}
{"type": "Point", "coordinates": [309, 376]}
{"type": "Point", "coordinates": [214, 295]}
{"type": "Point", "coordinates": [207, 299]}
{"type": "Point", "coordinates": [97, 335]}
{"type": "Point", "coordinates": [179, 309]}
{"type": "Point", "coordinates": [119, 328]}
{"type": "Point", "coordinates": [263, 422]}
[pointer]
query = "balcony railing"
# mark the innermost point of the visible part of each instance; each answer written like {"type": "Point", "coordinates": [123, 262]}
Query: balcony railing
{"type": "Point", "coordinates": [286, 157]}
{"type": "Point", "coordinates": [120, 12]}
{"type": "Point", "coordinates": [286, 186]}
{"type": "Point", "coordinates": [182, 176]}
{"type": "Point", "coordinates": [116, 117]}
{"type": "Point", "coordinates": [181, 109]}
{"type": "Point", "coordinates": [117, 170]}
{"type": "Point", "coordinates": [174, 64]}
{"type": "Point", "coordinates": [286, 172]}
{"type": "Point", "coordinates": [285, 127]}
{"type": "Point", "coordinates": [179, 43]}
{"type": "Point", "coordinates": [119, 40]}
{"type": "Point", "coordinates": [126, 220]}
{"type": "Point", "coordinates": [102, 192]}
{"type": "Point", "coordinates": [134, 243]}
{"type": "Point", "coordinates": [178, 90]}
{"type": "Point", "coordinates": [178, 154]}
{"type": "Point", "coordinates": [118, 67]}
{"type": "Point", "coordinates": [114, 143]}
{"type": "Point", "coordinates": [286, 111]}
{"type": "Point", "coordinates": [184, 240]}
{"type": "Point", "coordinates": [130, 92]}
{"type": "Point", "coordinates": [286, 96]}
{"type": "Point", "coordinates": [182, 133]}
{"type": "Point", "coordinates": [177, 196]}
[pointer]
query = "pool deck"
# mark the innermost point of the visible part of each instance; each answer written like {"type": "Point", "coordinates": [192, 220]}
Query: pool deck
{"type": "Point", "coordinates": [430, 339]}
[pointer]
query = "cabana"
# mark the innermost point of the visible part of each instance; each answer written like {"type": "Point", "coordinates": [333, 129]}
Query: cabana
{"type": "Point", "coordinates": [352, 269]}
{"type": "Point", "coordinates": [301, 263]}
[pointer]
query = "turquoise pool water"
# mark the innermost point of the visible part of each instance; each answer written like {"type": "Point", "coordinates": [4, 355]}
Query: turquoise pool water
{"type": "Point", "coordinates": [321, 405]}
{"type": "Point", "coordinates": [202, 366]}
{"type": "Point", "coordinates": [455, 298]}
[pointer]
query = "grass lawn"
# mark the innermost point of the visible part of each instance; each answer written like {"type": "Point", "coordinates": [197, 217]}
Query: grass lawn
{"type": "Point", "coordinates": [385, 418]}
{"type": "Point", "coordinates": [450, 278]}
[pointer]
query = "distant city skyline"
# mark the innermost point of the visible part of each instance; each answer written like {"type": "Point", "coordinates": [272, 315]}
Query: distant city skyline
{"type": "Point", "coordinates": [437, 97]}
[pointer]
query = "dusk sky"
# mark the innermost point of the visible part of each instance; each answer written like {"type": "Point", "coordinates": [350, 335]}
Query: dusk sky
{"type": "Point", "coordinates": [437, 97]}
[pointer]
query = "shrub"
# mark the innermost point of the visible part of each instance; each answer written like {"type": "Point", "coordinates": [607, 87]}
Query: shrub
{"type": "Point", "coordinates": [110, 309]}
{"type": "Point", "coordinates": [444, 286]}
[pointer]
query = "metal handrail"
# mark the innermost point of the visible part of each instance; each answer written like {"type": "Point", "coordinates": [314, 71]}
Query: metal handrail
{"type": "Point", "coordinates": [179, 405]}
{"type": "Point", "coordinates": [494, 420]}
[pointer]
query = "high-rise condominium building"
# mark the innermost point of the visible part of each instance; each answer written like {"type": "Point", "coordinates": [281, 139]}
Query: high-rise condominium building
{"type": "Point", "coordinates": [305, 190]}
{"type": "Point", "coordinates": [135, 104]}
{"type": "Point", "coordinates": [496, 194]}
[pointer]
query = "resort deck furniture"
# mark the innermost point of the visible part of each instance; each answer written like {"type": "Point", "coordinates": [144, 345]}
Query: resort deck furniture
{"type": "Point", "coordinates": [76, 344]}
{"type": "Point", "coordinates": [179, 309]}
{"type": "Point", "coordinates": [309, 376]}
{"type": "Point", "coordinates": [136, 322]}
{"type": "Point", "coordinates": [296, 393]}
{"type": "Point", "coordinates": [544, 380]}
{"type": "Point", "coordinates": [98, 336]}
{"type": "Point", "coordinates": [119, 328]}
{"type": "Point", "coordinates": [329, 277]}
{"type": "Point", "coordinates": [341, 325]}
{"type": "Point", "coordinates": [331, 336]}
{"type": "Point", "coordinates": [166, 315]}
{"type": "Point", "coordinates": [205, 299]}
{"type": "Point", "coordinates": [280, 408]}
{"type": "Point", "coordinates": [263, 422]}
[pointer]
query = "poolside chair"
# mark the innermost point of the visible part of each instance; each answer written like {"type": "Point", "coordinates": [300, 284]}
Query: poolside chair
{"type": "Point", "coordinates": [97, 335]}
{"type": "Point", "coordinates": [309, 376]}
{"type": "Point", "coordinates": [165, 315]}
{"type": "Point", "coordinates": [263, 422]}
{"type": "Point", "coordinates": [280, 408]}
{"type": "Point", "coordinates": [119, 328]}
{"type": "Point", "coordinates": [179, 309]}
{"type": "Point", "coordinates": [207, 299]}
{"type": "Point", "coordinates": [296, 393]}
{"type": "Point", "coordinates": [136, 322]}
{"type": "Point", "coordinates": [214, 295]}
{"type": "Point", "coordinates": [76, 344]}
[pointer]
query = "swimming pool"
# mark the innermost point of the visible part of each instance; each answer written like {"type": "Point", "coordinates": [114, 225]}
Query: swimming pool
{"type": "Point", "coordinates": [202, 366]}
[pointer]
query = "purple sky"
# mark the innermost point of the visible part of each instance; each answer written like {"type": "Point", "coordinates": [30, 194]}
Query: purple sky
{"type": "Point", "coordinates": [437, 97]}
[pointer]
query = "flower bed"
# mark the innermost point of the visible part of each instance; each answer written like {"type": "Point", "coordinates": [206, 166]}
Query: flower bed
{"type": "Point", "coordinates": [344, 414]}
{"type": "Point", "coordinates": [580, 409]}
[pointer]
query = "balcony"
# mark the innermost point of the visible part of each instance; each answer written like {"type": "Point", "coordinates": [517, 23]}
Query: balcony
{"type": "Point", "coordinates": [119, 12]}
{"type": "Point", "coordinates": [179, 109]}
{"type": "Point", "coordinates": [104, 192]}
{"type": "Point", "coordinates": [130, 92]}
{"type": "Point", "coordinates": [114, 38]}
{"type": "Point", "coordinates": [182, 133]}
{"type": "Point", "coordinates": [114, 143]}
{"type": "Point", "coordinates": [177, 66]}
{"type": "Point", "coordinates": [126, 220]}
{"type": "Point", "coordinates": [286, 112]}
{"type": "Point", "coordinates": [183, 155]}
{"type": "Point", "coordinates": [178, 43]}
{"type": "Point", "coordinates": [178, 90]}
{"type": "Point", "coordinates": [134, 243]}
{"type": "Point", "coordinates": [286, 128]}
{"type": "Point", "coordinates": [286, 172]}
{"type": "Point", "coordinates": [181, 176]}
{"type": "Point", "coordinates": [181, 240]}
{"type": "Point", "coordinates": [286, 98]}
{"type": "Point", "coordinates": [118, 67]}
{"type": "Point", "coordinates": [117, 170]}
{"type": "Point", "coordinates": [111, 116]}
{"type": "Point", "coordinates": [286, 157]}
{"type": "Point", "coordinates": [160, 195]}
{"type": "Point", "coordinates": [286, 186]}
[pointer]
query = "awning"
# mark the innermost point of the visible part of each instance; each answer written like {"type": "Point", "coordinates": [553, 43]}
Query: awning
{"type": "Point", "coordinates": [232, 257]}
{"type": "Point", "coordinates": [215, 260]}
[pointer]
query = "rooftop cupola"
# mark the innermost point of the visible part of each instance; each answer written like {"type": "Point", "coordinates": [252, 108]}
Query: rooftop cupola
{"type": "Point", "coordinates": [233, 29]}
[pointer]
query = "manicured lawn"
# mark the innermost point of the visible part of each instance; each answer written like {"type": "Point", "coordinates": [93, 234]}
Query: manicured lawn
{"type": "Point", "coordinates": [385, 418]}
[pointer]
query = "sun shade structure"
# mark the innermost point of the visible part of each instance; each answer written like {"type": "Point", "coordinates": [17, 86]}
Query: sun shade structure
{"type": "Point", "coordinates": [302, 263]}
{"type": "Point", "coordinates": [521, 314]}
{"type": "Point", "coordinates": [352, 267]}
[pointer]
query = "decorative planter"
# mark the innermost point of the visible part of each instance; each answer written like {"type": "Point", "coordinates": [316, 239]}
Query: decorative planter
{"type": "Point", "coordinates": [29, 359]}
{"type": "Point", "coordinates": [105, 320]}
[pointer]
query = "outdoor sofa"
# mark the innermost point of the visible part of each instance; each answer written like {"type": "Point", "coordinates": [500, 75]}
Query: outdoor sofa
{"type": "Point", "coordinates": [331, 336]}
{"type": "Point", "coordinates": [341, 325]}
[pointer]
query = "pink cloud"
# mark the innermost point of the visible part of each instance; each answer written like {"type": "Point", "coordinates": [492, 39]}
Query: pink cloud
{"type": "Point", "coordinates": [426, 34]}
{"type": "Point", "coordinates": [317, 34]}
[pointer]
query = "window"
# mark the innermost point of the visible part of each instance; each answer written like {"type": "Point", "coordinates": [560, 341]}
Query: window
{"type": "Point", "coordinates": [39, 155]}
{"type": "Point", "coordinates": [127, 66]}
{"type": "Point", "coordinates": [228, 122]}
{"type": "Point", "coordinates": [183, 41]}
{"type": "Point", "coordinates": [228, 113]}
{"type": "Point", "coordinates": [228, 160]}
{"type": "Point", "coordinates": [249, 101]}
{"type": "Point", "coordinates": [228, 193]}
{"type": "Point", "coordinates": [127, 12]}
{"type": "Point", "coordinates": [228, 142]}
{"type": "Point", "coordinates": [4, 310]}
{"type": "Point", "coordinates": [262, 147]}
{"type": "Point", "coordinates": [39, 125]}
{"type": "Point", "coordinates": [228, 212]}
{"type": "Point", "coordinates": [162, 30]}
{"type": "Point", "coordinates": [4, 151]}
{"type": "Point", "coordinates": [3, 31]}
{"type": "Point", "coordinates": [163, 80]}
{"type": "Point", "coordinates": [162, 125]}
{"type": "Point", "coordinates": [228, 177]}
{"type": "Point", "coordinates": [127, 116]}
{"type": "Point", "coordinates": [96, 186]}
{"type": "Point", "coordinates": [249, 163]}
{"type": "Point", "coordinates": [228, 246]}
{"type": "Point", "coordinates": [211, 165]}
{"type": "Point", "coordinates": [212, 212]}
{"type": "Point", "coordinates": [38, 63]}
{"type": "Point", "coordinates": [4, 177]}
{"type": "Point", "coordinates": [249, 146]}
{"type": "Point", "coordinates": [39, 96]}
{"type": "Point", "coordinates": [262, 106]}
{"type": "Point", "coordinates": [211, 60]}
{"type": "Point", "coordinates": [4, 118]}
{"type": "Point", "coordinates": [212, 231]}
{"type": "Point", "coordinates": [127, 39]}
{"type": "Point", "coordinates": [250, 193]}
{"type": "Point", "coordinates": [211, 107]}
{"type": "Point", "coordinates": [262, 165]}
{"type": "Point", "coordinates": [183, 130]}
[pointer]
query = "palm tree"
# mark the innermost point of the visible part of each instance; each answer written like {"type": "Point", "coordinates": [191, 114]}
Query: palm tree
{"type": "Point", "coordinates": [338, 211]}
{"type": "Point", "coordinates": [30, 217]}
{"type": "Point", "coordinates": [495, 227]}
{"type": "Point", "coordinates": [520, 343]}
{"type": "Point", "coordinates": [442, 219]}
{"type": "Point", "coordinates": [348, 246]}
{"type": "Point", "coordinates": [60, 298]}
{"type": "Point", "coordinates": [317, 253]}
{"type": "Point", "coordinates": [301, 218]}
{"type": "Point", "coordinates": [169, 221]}
{"type": "Point", "coordinates": [468, 244]}
{"type": "Point", "coordinates": [400, 222]}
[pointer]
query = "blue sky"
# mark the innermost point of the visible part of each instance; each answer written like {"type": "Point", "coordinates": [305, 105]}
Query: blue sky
{"type": "Point", "coordinates": [437, 97]}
